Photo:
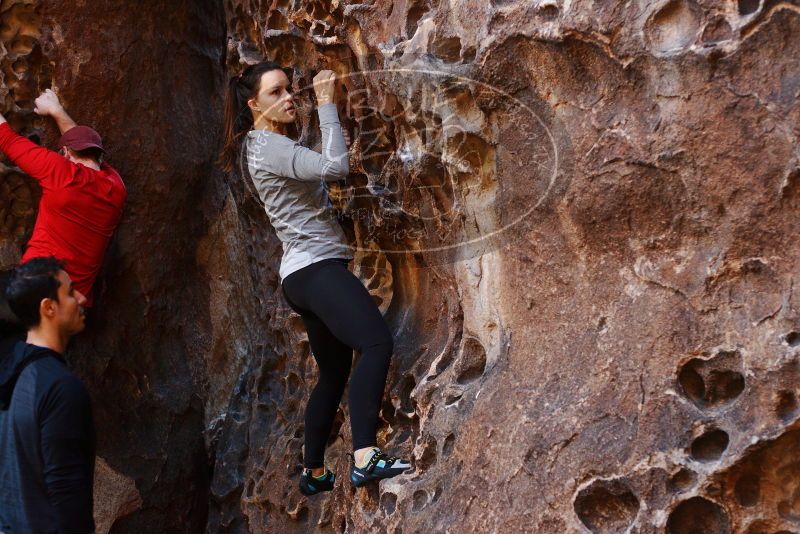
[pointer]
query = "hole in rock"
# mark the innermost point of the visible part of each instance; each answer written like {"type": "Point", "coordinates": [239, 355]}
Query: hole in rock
{"type": "Point", "coordinates": [388, 503]}
{"type": "Point", "coordinates": [674, 27]}
{"type": "Point", "coordinates": [419, 500]}
{"type": "Point", "coordinates": [717, 30]}
{"type": "Point", "coordinates": [469, 54]}
{"type": "Point", "coordinates": [786, 405]}
{"type": "Point", "coordinates": [407, 385]}
{"type": "Point", "coordinates": [747, 7]}
{"type": "Point", "coordinates": [747, 489]}
{"type": "Point", "coordinates": [710, 446]}
{"type": "Point", "coordinates": [277, 21]}
{"type": "Point", "coordinates": [793, 339]}
{"type": "Point", "coordinates": [607, 506]}
{"type": "Point", "coordinates": [548, 12]}
{"type": "Point", "coordinates": [453, 397]}
{"type": "Point", "coordinates": [292, 383]}
{"type": "Point", "coordinates": [448, 49]}
{"type": "Point", "coordinates": [714, 382]}
{"type": "Point", "coordinates": [698, 515]}
{"type": "Point", "coordinates": [473, 361]}
{"type": "Point", "coordinates": [683, 480]}
{"type": "Point", "coordinates": [449, 445]}
{"type": "Point", "coordinates": [427, 456]}
{"type": "Point", "coordinates": [415, 14]}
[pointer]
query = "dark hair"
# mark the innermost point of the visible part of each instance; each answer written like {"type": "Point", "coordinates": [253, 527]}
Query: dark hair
{"type": "Point", "coordinates": [238, 117]}
{"type": "Point", "coordinates": [92, 153]}
{"type": "Point", "coordinates": [32, 282]}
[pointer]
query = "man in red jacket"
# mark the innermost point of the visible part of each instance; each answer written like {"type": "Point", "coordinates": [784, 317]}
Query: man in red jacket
{"type": "Point", "coordinates": [82, 197]}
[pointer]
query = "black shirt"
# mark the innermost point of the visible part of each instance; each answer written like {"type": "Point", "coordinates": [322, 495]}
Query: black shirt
{"type": "Point", "coordinates": [47, 445]}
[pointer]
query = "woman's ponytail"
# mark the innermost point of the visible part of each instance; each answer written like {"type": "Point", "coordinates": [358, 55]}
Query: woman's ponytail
{"type": "Point", "coordinates": [238, 117]}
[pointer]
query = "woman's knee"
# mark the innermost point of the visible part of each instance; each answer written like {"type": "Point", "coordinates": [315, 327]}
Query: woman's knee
{"type": "Point", "coordinates": [335, 374]}
{"type": "Point", "coordinates": [381, 343]}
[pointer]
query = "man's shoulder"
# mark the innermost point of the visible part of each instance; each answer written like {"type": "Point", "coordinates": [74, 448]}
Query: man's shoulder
{"type": "Point", "coordinates": [49, 365]}
{"type": "Point", "coordinates": [58, 386]}
{"type": "Point", "coordinates": [48, 377]}
{"type": "Point", "coordinates": [112, 172]}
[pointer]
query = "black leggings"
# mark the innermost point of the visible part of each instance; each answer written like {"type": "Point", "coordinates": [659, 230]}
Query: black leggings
{"type": "Point", "coordinates": [340, 316]}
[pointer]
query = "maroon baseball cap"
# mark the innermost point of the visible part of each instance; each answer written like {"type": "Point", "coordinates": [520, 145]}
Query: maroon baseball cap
{"type": "Point", "coordinates": [81, 138]}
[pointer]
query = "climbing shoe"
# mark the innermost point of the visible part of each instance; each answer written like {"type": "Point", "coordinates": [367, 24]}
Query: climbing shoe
{"type": "Point", "coordinates": [311, 485]}
{"type": "Point", "coordinates": [378, 466]}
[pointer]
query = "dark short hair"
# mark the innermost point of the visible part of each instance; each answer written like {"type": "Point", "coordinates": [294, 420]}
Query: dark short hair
{"type": "Point", "coordinates": [92, 153]}
{"type": "Point", "coordinates": [32, 282]}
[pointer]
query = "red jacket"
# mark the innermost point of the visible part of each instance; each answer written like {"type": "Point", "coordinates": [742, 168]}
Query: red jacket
{"type": "Point", "coordinates": [79, 210]}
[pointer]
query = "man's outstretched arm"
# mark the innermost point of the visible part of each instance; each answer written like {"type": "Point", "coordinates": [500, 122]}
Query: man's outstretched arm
{"type": "Point", "coordinates": [45, 166]}
{"type": "Point", "coordinates": [47, 104]}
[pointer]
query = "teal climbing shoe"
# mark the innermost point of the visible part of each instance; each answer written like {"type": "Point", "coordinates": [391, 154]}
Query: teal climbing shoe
{"type": "Point", "coordinates": [311, 485]}
{"type": "Point", "coordinates": [379, 466]}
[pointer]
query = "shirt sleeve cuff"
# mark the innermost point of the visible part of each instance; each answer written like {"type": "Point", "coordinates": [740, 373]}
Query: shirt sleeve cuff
{"type": "Point", "coordinates": [328, 114]}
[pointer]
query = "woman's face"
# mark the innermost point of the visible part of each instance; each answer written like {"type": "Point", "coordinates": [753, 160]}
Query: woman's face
{"type": "Point", "coordinates": [274, 99]}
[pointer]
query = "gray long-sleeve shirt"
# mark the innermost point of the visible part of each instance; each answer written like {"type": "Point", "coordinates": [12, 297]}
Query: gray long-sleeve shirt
{"type": "Point", "coordinates": [290, 179]}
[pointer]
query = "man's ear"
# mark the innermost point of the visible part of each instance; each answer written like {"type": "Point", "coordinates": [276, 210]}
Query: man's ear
{"type": "Point", "coordinates": [47, 308]}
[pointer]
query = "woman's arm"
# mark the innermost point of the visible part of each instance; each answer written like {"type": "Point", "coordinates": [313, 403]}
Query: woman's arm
{"type": "Point", "coordinates": [332, 163]}
{"type": "Point", "coordinates": [282, 156]}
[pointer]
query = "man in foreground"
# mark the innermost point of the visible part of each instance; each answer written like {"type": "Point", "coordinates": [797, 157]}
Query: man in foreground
{"type": "Point", "coordinates": [47, 441]}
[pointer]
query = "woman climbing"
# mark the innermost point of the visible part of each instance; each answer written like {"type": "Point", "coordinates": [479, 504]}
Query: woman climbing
{"type": "Point", "coordinates": [338, 312]}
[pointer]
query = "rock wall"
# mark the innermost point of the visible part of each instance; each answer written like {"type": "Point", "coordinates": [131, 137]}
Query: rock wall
{"type": "Point", "coordinates": [609, 339]}
{"type": "Point", "coordinates": [579, 218]}
{"type": "Point", "coordinates": [148, 77]}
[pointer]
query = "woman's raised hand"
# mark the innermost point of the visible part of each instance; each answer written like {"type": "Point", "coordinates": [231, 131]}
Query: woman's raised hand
{"type": "Point", "coordinates": [324, 86]}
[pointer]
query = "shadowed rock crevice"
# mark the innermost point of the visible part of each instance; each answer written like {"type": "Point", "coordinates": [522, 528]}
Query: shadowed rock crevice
{"type": "Point", "coordinates": [698, 515]}
{"type": "Point", "coordinates": [710, 446]}
{"type": "Point", "coordinates": [607, 506]}
{"type": "Point", "coordinates": [714, 382]}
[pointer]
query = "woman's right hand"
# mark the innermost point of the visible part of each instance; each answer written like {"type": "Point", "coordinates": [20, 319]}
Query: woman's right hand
{"type": "Point", "coordinates": [324, 86]}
